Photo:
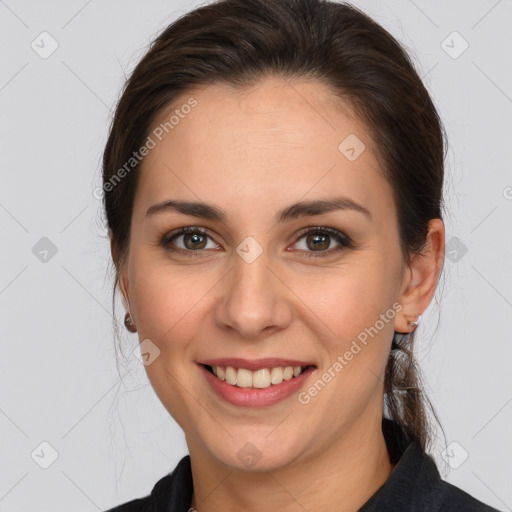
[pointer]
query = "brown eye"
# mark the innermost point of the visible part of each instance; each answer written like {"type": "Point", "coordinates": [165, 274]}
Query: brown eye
{"type": "Point", "coordinates": [318, 240]}
{"type": "Point", "coordinates": [194, 241]}
{"type": "Point", "coordinates": [189, 241]}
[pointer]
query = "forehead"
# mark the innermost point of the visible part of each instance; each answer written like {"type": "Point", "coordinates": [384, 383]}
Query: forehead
{"type": "Point", "coordinates": [275, 142]}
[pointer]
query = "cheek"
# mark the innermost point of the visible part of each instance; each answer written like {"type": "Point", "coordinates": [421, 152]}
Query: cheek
{"type": "Point", "coordinates": [345, 302]}
{"type": "Point", "coordinates": [353, 317]}
{"type": "Point", "coordinates": [170, 308]}
{"type": "Point", "coordinates": [168, 298]}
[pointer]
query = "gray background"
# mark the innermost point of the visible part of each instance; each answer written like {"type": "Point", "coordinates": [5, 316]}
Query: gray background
{"type": "Point", "coordinates": [59, 382]}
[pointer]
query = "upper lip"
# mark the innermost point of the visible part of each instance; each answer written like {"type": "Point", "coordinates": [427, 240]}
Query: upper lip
{"type": "Point", "coordinates": [255, 364]}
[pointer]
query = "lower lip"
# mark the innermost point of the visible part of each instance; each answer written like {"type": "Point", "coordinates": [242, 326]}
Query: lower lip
{"type": "Point", "coordinates": [254, 397]}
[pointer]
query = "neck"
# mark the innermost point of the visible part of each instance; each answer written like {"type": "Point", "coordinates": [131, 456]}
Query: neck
{"type": "Point", "coordinates": [342, 477]}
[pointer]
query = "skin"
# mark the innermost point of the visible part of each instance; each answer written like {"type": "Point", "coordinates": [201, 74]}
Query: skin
{"type": "Point", "coordinates": [252, 152]}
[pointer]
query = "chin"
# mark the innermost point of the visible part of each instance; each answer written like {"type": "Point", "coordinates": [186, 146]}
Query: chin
{"type": "Point", "coordinates": [257, 453]}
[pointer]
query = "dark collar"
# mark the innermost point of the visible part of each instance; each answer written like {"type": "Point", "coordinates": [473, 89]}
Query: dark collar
{"type": "Point", "coordinates": [414, 483]}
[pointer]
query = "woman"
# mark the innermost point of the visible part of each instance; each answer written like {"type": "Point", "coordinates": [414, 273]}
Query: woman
{"type": "Point", "coordinates": [273, 190]}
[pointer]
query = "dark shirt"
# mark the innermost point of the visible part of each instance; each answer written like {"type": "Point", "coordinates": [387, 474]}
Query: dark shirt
{"type": "Point", "coordinates": [414, 485]}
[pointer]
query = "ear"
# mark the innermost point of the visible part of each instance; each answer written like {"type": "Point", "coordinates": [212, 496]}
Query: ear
{"type": "Point", "coordinates": [122, 279]}
{"type": "Point", "coordinates": [420, 278]}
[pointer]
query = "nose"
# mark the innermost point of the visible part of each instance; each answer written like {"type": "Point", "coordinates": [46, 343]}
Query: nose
{"type": "Point", "coordinates": [255, 300]}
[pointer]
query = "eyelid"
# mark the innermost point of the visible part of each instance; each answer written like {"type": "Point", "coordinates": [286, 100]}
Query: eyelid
{"type": "Point", "coordinates": [322, 229]}
{"type": "Point", "coordinates": [343, 240]}
{"type": "Point", "coordinates": [165, 240]}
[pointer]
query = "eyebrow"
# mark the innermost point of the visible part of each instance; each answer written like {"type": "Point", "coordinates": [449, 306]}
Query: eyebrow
{"type": "Point", "coordinates": [294, 211]}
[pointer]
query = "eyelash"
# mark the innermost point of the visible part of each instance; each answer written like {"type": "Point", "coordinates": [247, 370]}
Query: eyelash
{"type": "Point", "coordinates": [341, 238]}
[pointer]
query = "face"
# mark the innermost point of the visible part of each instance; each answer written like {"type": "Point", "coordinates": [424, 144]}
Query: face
{"type": "Point", "coordinates": [315, 288]}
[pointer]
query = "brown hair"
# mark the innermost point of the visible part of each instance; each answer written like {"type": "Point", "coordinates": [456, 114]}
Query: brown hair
{"type": "Point", "coordinates": [238, 42]}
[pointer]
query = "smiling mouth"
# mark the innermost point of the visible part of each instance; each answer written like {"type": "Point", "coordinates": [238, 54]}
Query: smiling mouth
{"type": "Point", "coordinates": [259, 379]}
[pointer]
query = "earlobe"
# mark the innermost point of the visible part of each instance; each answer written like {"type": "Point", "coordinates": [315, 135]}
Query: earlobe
{"type": "Point", "coordinates": [129, 322]}
{"type": "Point", "coordinates": [421, 278]}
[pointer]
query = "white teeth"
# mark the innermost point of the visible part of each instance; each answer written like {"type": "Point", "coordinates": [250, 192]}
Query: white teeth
{"type": "Point", "coordinates": [231, 375]}
{"type": "Point", "coordinates": [288, 373]}
{"type": "Point", "coordinates": [276, 375]}
{"type": "Point", "coordinates": [244, 378]}
{"type": "Point", "coordinates": [261, 379]}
